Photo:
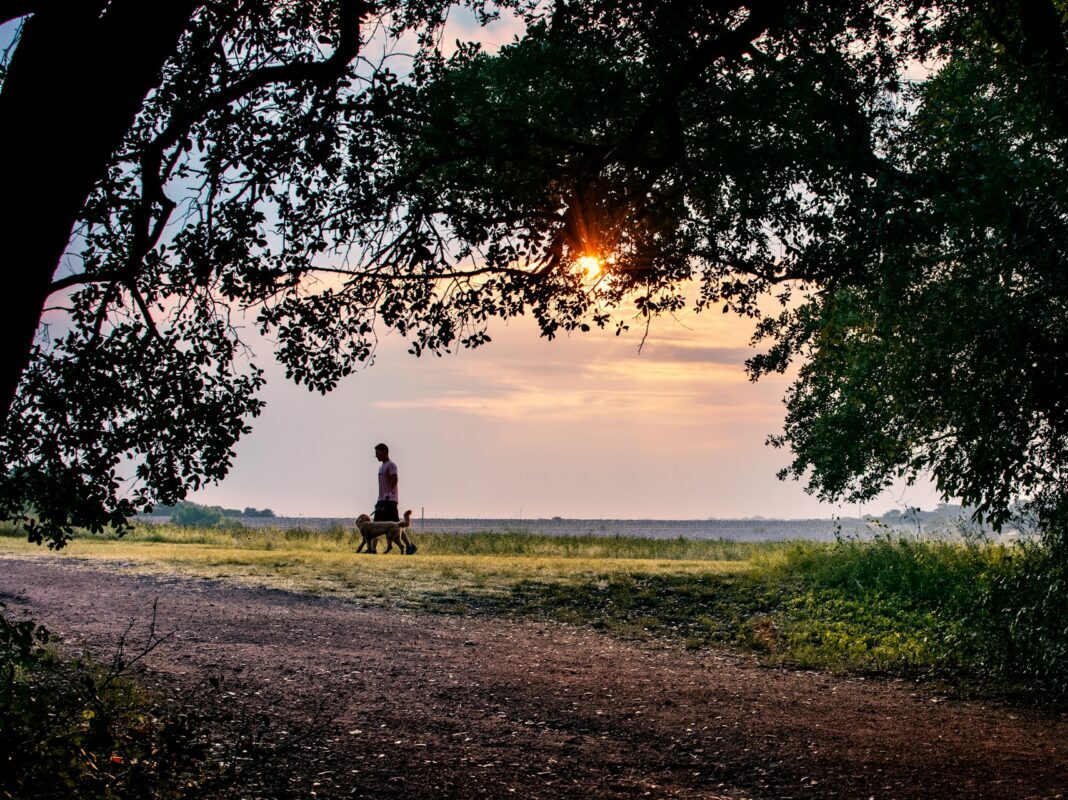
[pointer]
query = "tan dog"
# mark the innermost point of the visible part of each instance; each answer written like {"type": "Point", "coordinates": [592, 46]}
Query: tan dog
{"type": "Point", "coordinates": [393, 531]}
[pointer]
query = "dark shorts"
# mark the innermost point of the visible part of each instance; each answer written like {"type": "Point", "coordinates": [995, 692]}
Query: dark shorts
{"type": "Point", "coordinates": [386, 511]}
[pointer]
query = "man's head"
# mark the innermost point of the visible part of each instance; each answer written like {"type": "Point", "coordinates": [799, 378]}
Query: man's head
{"type": "Point", "coordinates": [381, 452]}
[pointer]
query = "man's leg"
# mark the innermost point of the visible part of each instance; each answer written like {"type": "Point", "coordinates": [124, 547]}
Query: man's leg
{"type": "Point", "coordinates": [386, 511]}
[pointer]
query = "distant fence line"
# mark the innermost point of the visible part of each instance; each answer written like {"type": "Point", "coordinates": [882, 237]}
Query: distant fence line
{"type": "Point", "coordinates": [743, 529]}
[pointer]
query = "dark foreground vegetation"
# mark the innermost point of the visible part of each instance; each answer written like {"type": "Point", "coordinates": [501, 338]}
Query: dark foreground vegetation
{"type": "Point", "coordinates": [73, 726]}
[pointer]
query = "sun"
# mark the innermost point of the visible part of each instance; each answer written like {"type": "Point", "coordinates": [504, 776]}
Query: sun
{"type": "Point", "coordinates": [590, 266]}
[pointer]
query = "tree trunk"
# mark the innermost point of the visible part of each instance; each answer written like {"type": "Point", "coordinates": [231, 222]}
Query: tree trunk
{"type": "Point", "coordinates": [76, 81]}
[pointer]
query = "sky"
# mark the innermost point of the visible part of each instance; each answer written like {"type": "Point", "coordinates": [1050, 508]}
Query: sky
{"type": "Point", "coordinates": [581, 427]}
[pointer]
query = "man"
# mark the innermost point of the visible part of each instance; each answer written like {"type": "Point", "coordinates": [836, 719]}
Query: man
{"type": "Point", "coordinates": [386, 509]}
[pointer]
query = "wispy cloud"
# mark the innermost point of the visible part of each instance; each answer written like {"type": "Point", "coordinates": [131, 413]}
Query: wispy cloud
{"type": "Point", "coordinates": [625, 393]}
{"type": "Point", "coordinates": [677, 379]}
{"type": "Point", "coordinates": [698, 354]}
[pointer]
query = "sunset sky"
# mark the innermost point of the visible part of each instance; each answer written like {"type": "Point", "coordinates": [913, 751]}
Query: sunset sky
{"type": "Point", "coordinates": [582, 427]}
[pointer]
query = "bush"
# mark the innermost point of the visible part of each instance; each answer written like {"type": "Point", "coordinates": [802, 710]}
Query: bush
{"type": "Point", "coordinates": [70, 727]}
{"type": "Point", "coordinates": [989, 615]}
{"type": "Point", "coordinates": [191, 515]}
{"type": "Point", "coordinates": [1021, 620]}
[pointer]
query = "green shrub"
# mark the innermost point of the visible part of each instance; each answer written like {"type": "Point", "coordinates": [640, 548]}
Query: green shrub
{"type": "Point", "coordinates": [192, 516]}
{"type": "Point", "coordinates": [70, 727]}
{"type": "Point", "coordinates": [989, 615]}
{"type": "Point", "coordinates": [1020, 622]}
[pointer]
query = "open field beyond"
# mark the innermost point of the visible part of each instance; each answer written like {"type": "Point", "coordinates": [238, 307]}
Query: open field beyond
{"type": "Point", "coordinates": [446, 567]}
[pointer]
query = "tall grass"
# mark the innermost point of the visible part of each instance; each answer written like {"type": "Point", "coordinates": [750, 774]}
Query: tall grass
{"type": "Point", "coordinates": [984, 616]}
{"type": "Point", "coordinates": [489, 543]}
{"type": "Point", "coordinates": [985, 613]}
{"type": "Point", "coordinates": [591, 547]}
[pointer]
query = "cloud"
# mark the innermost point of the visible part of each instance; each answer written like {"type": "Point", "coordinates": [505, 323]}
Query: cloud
{"type": "Point", "coordinates": [602, 398]}
{"type": "Point", "coordinates": [697, 354]}
{"type": "Point", "coordinates": [597, 379]}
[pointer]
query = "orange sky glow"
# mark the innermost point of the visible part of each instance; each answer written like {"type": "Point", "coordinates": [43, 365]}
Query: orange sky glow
{"type": "Point", "coordinates": [581, 427]}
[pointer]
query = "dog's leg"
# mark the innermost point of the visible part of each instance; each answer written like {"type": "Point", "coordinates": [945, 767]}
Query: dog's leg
{"type": "Point", "coordinates": [406, 545]}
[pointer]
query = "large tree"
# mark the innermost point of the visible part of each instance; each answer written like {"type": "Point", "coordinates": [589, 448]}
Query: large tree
{"type": "Point", "coordinates": [219, 156]}
{"type": "Point", "coordinates": [751, 147]}
{"type": "Point", "coordinates": [944, 348]}
{"type": "Point", "coordinates": [913, 226]}
{"type": "Point", "coordinates": [142, 140]}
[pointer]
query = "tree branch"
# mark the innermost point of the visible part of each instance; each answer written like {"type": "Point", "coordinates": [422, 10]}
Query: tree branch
{"type": "Point", "coordinates": [146, 313]}
{"type": "Point", "coordinates": [81, 279]}
{"type": "Point", "coordinates": [733, 43]}
{"type": "Point", "coordinates": [319, 72]}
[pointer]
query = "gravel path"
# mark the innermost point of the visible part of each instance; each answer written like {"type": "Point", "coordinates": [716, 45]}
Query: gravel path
{"type": "Point", "coordinates": [373, 702]}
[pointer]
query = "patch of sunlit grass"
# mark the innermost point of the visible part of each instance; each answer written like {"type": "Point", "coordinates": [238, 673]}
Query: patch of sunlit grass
{"type": "Point", "coordinates": [328, 565]}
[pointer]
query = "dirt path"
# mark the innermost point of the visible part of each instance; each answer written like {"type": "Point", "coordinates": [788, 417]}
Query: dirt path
{"type": "Point", "coordinates": [428, 706]}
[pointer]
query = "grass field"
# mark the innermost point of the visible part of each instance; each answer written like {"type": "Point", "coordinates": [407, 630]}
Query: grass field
{"type": "Point", "coordinates": [446, 566]}
{"type": "Point", "coordinates": [980, 616]}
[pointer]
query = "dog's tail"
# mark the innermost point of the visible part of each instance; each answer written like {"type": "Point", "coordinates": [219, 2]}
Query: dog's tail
{"type": "Point", "coordinates": [407, 519]}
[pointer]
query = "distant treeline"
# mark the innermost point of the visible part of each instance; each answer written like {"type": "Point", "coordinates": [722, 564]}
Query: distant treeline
{"type": "Point", "coordinates": [195, 515]}
{"type": "Point", "coordinates": [946, 516]}
{"type": "Point", "coordinates": [226, 512]}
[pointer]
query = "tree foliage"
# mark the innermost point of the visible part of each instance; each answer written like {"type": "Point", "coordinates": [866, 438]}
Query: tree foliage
{"type": "Point", "coordinates": [139, 384]}
{"type": "Point", "coordinates": [944, 351]}
{"type": "Point", "coordinates": [192, 515]}
{"type": "Point", "coordinates": [913, 229]}
{"type": "Point", "coordinates": [910, 229]}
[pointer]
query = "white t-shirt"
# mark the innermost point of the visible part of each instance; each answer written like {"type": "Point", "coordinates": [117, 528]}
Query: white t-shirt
{"type": "Point", "coordinates": [385, 485]}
